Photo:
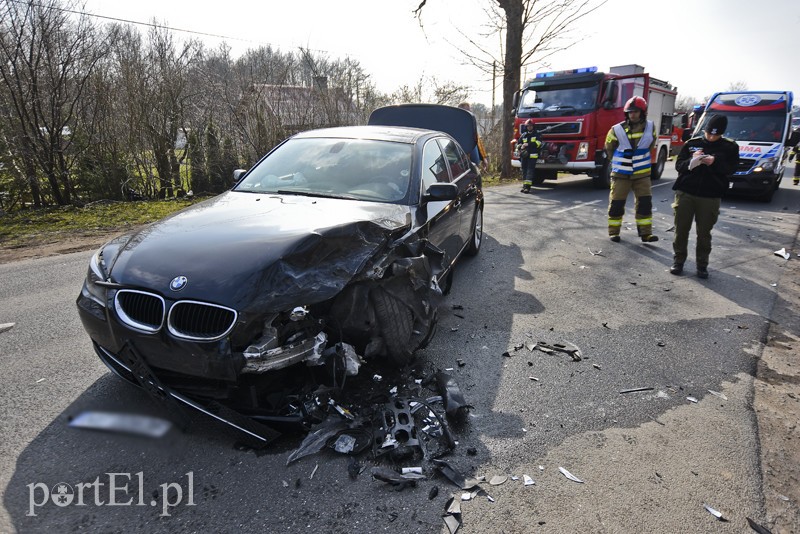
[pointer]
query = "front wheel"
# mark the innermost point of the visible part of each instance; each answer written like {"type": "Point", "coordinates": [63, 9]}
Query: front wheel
{"type": "Point", "coordinates": [603, 178]}
{"type": "Point", "coordinates": [661, 162]}
{"type": "Point", "coordinates": [396, 324]}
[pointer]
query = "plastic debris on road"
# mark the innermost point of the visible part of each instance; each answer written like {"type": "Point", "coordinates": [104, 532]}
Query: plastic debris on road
{"type": "Point", "coordinates": [6, 326]}
{"type": "Point", "coordinates": [452, 515]}
{"type": "Point", "coordinates": [497, 480]}
{"type": "Point", "coordinates": [758, 528]}
{"type": "Point", "coordinates": [634, 390]}
{"type": "Point", "coordinates": [783, 254]}
{"type": "Point", "coordinates": [392, 477]}
{"type": "Point", "coordinates": [718, 394]}
{"type": "Point", "coordinates": [570, 475]}
{"type": "Point", "coordinates": [454, 476]}
{"type": "Point", "coordinates": [527, 481]}
{"type": "Point", "coordinates": [691, 399]}
{"type": "Point", "coordinates": [454, 403]}
{"type": "Point", "coordinates": [715, 513]}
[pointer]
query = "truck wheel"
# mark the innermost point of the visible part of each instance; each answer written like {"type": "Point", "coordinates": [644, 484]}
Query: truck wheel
{"type": "Point", "coordinates": [547, 174]}
{"type": "Point", "coordinates": [767, 195]}
{"type": "Point", "coordinates": [395, 323]}
{"type": "Point", "coordinates": [603, 178]}
{"type": "Point", "coordinates": [661, 162]}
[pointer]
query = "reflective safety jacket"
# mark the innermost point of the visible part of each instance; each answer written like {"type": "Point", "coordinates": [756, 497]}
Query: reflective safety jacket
{"type": "Point", "coordinates": [529, 144]}
{"type": "Point", "coordinates": [627, 160]}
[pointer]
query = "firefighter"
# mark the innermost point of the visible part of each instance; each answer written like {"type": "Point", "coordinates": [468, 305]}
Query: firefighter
{"type": "Point", "coordinates": [794, 154]}
{"type": "Point", "coordinates": [529, 146]}
{"type": "Point", "coordinates": [628, 146]}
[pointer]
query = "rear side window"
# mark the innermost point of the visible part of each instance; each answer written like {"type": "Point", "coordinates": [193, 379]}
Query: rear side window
{"type": "Point", "coordinates": [457, 158]}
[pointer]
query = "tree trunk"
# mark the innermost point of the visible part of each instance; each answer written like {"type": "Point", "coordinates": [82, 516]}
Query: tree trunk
{"type": "Point", "coordinates": [511, 77]}
{"type": "Point", "coordinates": [33, 181]}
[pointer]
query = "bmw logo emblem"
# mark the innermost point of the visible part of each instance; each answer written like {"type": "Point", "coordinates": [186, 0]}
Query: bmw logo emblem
{"type": "Point", "coordinates": [178, 283]}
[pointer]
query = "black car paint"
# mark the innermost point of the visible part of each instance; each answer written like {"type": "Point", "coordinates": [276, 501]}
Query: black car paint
{"type": "Point", "coordinates": [219, 245]}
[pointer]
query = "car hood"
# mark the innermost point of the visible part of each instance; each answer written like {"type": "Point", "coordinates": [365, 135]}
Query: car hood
{"type": "Point", "coordinates": [249, 251]}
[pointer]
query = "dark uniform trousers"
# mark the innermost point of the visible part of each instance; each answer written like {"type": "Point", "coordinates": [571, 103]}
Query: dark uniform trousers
{"type": "Point", "coordinates": [704, 212]}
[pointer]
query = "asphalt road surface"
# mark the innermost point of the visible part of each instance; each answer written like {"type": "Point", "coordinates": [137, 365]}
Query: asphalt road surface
{"type": "Point", "coordinates": [649, 460]}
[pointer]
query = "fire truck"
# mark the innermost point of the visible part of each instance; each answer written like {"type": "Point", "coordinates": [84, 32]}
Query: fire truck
{"type": "Point", "coordinates": [682, 122]}
{"type": "Point", "coordinates": [573, 110]}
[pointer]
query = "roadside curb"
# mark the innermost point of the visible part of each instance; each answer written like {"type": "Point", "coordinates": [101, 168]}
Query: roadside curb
{"type": "Point", "coordinates": [776, 404]}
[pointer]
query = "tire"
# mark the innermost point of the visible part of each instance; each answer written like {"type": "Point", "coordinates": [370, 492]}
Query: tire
{"type": "Point", "coordinates": [395, 323]}
{"type": "Point", "coordinates": [476, 237]}
{"type": "Point", "coordinates": [661, 162]}
{"type": "Point", "coordinates": [446, 283]}
{"type": "Point", "coordinates": [603, 178]}
{"type": "Point", "coordinates": [766, 197]}
{"type": "Point", "coordinates": [546, 174]}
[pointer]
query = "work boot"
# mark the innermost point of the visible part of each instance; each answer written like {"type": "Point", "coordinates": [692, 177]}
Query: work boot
{"type": "Point", "coordinates": [526, 189]}
{"type": "Point", "coordinates": [649, 238]}
{"type": "Point", "coordinates": [676, 269]}
{"type": "Point", "coordinates": [702, 272]}
{"type": "Point", "coordinates": [614, 238]}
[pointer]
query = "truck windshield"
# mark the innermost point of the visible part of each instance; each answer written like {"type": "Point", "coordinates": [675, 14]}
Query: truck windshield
{"type": "Point", "coordinates": [559, 100]}
{"type": "Point", "coordinates": [752, 126]}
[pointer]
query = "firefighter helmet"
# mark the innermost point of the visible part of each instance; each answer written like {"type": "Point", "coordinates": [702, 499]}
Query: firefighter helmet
{"type": "Point", "coordinates": [528, 123]}
{"type": "Point", "coordinates": [636, 102]}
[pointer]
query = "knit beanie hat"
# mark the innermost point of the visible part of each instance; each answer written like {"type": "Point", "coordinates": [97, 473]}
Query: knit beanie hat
{"type": "Point", "coordinates": [717, 124]}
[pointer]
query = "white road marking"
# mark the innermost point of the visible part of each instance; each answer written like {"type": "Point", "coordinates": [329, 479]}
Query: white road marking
{"type": "Point", "coordinates": [576, 206]}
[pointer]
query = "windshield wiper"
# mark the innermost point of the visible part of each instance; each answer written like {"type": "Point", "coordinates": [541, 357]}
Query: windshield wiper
{"type": "Point", "coordinates": [311, 194]}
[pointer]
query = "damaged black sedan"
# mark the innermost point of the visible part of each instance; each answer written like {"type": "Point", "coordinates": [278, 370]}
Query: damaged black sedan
{"type": "Point", "coordinates": [339, 241]}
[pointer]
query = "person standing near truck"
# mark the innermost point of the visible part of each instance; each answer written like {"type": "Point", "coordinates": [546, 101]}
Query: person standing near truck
{"type": "Point", "coordinates": [703, 165]}
{"type": "Point", "coordinates": [628, 146]}
{"type": "Point", "coordinates": [478, 155]}
{"type": "Point", "coordinates": [529, 146]}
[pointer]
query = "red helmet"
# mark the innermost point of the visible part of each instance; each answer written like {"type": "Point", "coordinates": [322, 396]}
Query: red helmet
{"type": "Point", "coordinates": [636, 102]}
{"type": "Point", "coordinates": [528, 123]}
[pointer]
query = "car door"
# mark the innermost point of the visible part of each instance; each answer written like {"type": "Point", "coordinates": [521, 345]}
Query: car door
{"type": "Point", "coordinates": [442, 217]}
{"type": "Point", "coordinates": [465, 177]}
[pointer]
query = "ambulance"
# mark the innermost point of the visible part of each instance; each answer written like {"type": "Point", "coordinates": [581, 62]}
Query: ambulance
{"type": "Point", "coordinates": [761, 124]}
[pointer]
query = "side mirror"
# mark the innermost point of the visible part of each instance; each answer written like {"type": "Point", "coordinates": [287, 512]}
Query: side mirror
{"type": "Point", "coordinates": [608, 104]}
{"type": "Point", "coordinates": [237, 175]}
{"type": "Point", "coordinates": [441, 191]}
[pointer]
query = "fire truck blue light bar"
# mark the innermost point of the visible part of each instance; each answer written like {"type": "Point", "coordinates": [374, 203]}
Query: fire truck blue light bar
{"type": "Point", "coordinates": [583, 70]}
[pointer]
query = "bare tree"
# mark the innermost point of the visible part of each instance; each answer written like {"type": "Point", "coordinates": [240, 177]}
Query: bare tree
{"type": "Point", "coordinates": [531, 32]}
{"type": "Point", "coordinates": [46, 60]}
{"type": "Point", "coordinates": [430, 89]}
{"type": "Point", "coordinates": [739, 85]}
{"type": "Point", "coordinates": [156, 78]}
{"type": "Point", "coordinates": [684, 103]}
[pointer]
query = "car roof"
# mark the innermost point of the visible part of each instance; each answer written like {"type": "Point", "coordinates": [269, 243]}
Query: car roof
{"type": "Point", "coordinates": [379, 133]}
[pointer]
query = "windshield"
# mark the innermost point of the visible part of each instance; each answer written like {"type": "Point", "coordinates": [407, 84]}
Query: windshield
{"type": "Point", "coordinates": [765, 127]}
{"type": "Point", "coordinates": [560, 100]}
{"type": "Point", "coordinates": [358, 169]}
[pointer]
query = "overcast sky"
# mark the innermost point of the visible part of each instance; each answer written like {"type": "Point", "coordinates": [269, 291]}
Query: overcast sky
{"type": "Point", "coordinates": [700, 46]}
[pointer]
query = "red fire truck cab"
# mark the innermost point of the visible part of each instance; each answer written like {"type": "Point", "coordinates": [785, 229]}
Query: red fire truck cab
{"type": "Point", "coordinates": [573, 111]}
